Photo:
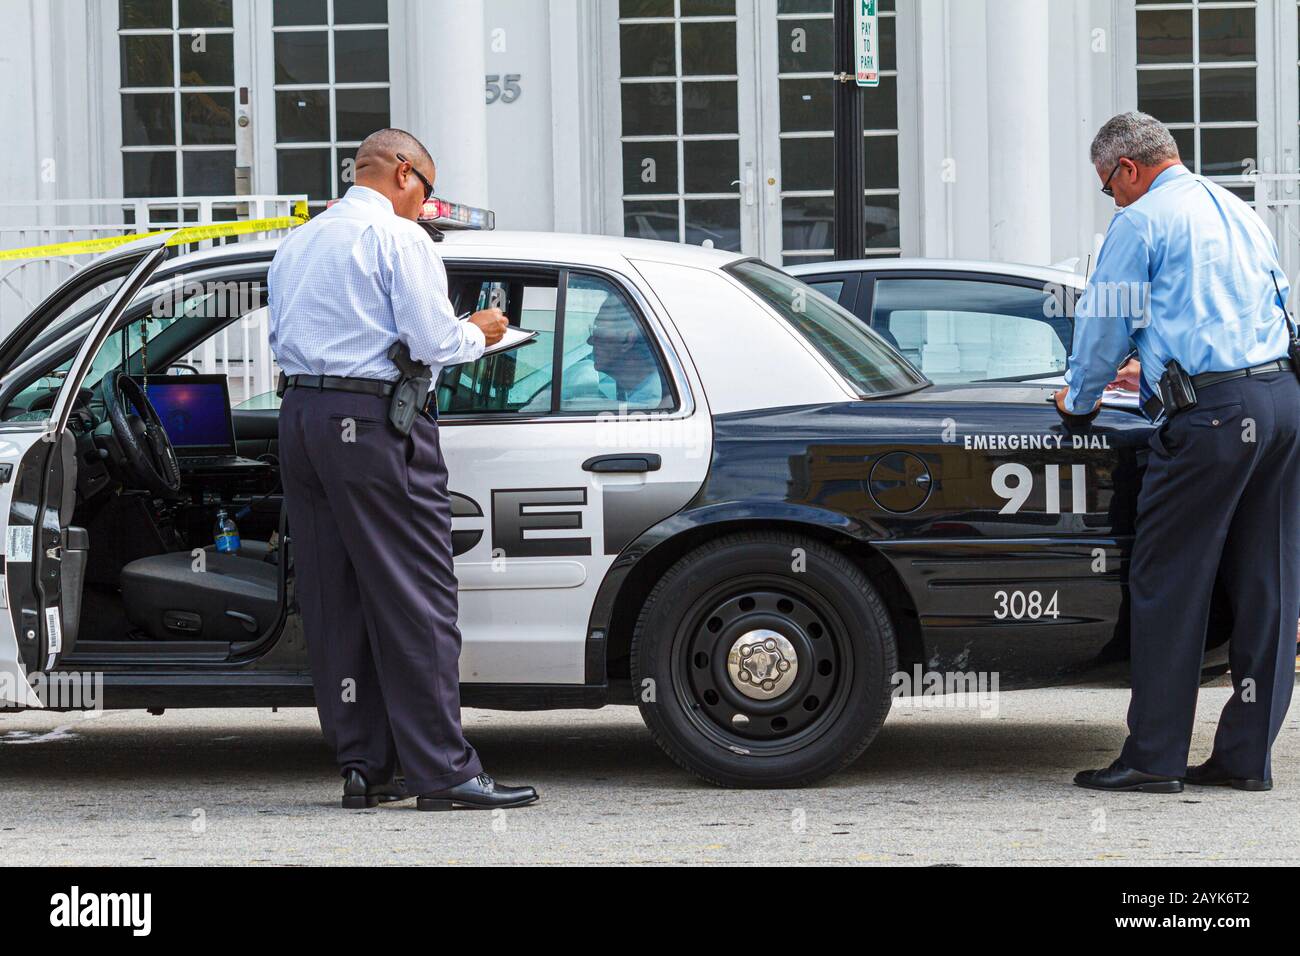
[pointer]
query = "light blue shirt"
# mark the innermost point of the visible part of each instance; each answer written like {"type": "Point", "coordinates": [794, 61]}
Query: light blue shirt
{"type": "Point", "coordinates": [649, 394]}
{"type": "Point", "coordinates": [347, 284]}
{"type": "Point", "coordinates": [1184, 272]}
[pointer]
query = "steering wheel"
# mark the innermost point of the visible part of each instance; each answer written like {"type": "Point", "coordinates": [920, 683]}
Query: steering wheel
{"type": "Point", "coordinates": [147, 453]}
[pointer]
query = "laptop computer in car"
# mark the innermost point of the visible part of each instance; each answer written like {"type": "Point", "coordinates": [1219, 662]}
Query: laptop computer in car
{"type": "Point", "coordinates": [195, 413]}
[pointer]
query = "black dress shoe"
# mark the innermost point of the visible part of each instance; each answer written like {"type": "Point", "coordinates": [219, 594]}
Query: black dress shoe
{"type": "Point", "coordinates": [359, 795]}
{"type": "Point", "coordinates": [1208, 775]}
{"type": "Point", "coordinates": [476, 793]}
{"type": "Point", "coordinates": [1120, 778]}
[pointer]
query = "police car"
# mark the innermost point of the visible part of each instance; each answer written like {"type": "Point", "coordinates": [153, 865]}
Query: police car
{"type": "Point", "coordinates": [703, 488]}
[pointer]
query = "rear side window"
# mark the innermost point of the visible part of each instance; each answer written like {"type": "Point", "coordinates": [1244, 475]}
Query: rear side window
{"type": "Point", "coordinates": [857, 353]}
{"type": "Point", "coordinates": [966, 330]}
{"type": "Point", "coordinates": [609, 359]}
{"type": "Point", "coordinates": [831, 288]}
{"type": "Point", "coordinates": [518, 382]}
{"type": "Point", "coordinates": [593, 353]}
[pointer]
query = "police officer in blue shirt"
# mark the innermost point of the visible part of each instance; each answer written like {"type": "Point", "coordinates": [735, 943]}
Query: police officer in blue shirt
{"type": "Point", "coordinates": [1190, 274]}
{"type": "Point", "coordinates": [367, 501]}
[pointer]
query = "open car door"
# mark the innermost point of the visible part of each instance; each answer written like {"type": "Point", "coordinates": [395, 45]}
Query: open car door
{"type": "Point", "coordinates": [40, 591]}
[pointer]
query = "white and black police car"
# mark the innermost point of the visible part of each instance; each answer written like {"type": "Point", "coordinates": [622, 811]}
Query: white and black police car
{"type": "Point", "coordinates": [704, 488]}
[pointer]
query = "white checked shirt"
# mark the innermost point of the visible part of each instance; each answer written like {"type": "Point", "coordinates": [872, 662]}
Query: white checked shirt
{"type": "Point", "coordinates": [346, 285]}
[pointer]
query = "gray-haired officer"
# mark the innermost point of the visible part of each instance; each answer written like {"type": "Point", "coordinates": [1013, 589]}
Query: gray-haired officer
{"type": "Point", "coordinates": [367, 500]}
{"type": "Point", "coordinates": [1192, 275]}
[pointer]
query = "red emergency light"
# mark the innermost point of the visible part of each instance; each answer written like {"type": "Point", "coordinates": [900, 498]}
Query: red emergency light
{"type": "Point", "coordinates": [451, 215]}
{"type": "Point", "coordinates": [456, 215]}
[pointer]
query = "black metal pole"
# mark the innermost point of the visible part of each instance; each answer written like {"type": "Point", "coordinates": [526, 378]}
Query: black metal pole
{"type": "Point", "coordinates": [850, 232]}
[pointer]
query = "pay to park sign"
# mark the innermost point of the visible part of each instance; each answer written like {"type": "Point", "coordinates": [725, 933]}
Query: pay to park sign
{"type": "Point", "coordinates": [868, 53]}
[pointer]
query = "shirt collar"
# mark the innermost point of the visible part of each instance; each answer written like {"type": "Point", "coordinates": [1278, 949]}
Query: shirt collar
{"type": "Point", "coordinates": [643, 390]}
{"type": "Point", "coordinates": [1168, 175]}
{"type": "Point", "coordinates": [369, 197]}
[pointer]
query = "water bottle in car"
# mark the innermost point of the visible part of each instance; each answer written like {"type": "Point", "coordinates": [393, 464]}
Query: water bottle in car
{"type": "Point", "coordinates": [226, 534]}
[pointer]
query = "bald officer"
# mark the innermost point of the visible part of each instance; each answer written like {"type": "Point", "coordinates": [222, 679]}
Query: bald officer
{"type": "Point", "coordinates": [1192, 275]}
{"type": "Point", "coordinates": [368, 509]}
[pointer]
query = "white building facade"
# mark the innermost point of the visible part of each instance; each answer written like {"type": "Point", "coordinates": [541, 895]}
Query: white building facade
{"type": "Point", "coordinates": [688, 120]}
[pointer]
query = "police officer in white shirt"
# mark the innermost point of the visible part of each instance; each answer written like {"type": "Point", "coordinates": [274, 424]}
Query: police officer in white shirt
{"type": "Point", "coordinates": [369, 515]}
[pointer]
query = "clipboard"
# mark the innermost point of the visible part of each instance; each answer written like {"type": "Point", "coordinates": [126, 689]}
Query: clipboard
{"type": "Point", "coordinates": [513, 338]}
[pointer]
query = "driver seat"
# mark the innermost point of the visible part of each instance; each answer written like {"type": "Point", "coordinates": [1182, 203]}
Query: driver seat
{"type": "Point", "coordinates": [233, 600]}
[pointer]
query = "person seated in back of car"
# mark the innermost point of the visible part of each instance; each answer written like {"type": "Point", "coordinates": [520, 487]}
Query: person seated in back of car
{"type": "Point", "coordinates": [620, 351]}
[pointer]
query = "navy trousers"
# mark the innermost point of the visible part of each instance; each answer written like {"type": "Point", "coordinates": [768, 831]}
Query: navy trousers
{"type": "Point", "coordinates": [1221, 497]}
{"type": "Point", "coordinates": [370, 526]}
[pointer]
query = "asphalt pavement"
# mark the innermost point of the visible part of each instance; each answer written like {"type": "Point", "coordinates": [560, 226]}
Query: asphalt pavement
{"type": "Point", "coordinates": [940, 786]}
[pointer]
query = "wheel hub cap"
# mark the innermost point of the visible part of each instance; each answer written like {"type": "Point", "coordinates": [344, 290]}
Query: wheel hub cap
{"type": "Point", "coordinates": [762, 664]}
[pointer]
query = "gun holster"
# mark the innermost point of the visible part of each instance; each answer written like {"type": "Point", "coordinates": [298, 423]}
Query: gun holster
{"type": "Point", "coordinates": [1293, 350]}
{"type": "Point", "coordinates": [1176, 389]}
{"type": "Point", "coordinates": [410, 391]}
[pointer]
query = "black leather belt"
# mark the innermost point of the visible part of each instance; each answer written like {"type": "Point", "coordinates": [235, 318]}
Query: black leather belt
{"type": "Point", "coordinates": [1154, 406]}
{"type": "Point", "coordinates": [337, 383]}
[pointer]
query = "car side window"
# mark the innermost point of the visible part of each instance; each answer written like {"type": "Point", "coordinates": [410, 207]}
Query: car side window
{"type": "Point", "coordinates": [839, 287]}
{"type": "Point", "coordinates": [966, 330]}
{"type": "Point", "coordinates": [167, 315]}
{"type": "Point", "coordinates": [831, 288]}
{"type": "Point", "coordinates": [610, 362]}
{"type": "Point", "coordinates": [236, 347]}
{"type": "Point", "coordinates": [517, 382]}
{"type": "Point", "coordinates": [607, 361]}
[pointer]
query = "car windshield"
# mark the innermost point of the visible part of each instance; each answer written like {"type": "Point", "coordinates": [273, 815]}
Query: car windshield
{"type": "Point", "coordinates": [859, 354]}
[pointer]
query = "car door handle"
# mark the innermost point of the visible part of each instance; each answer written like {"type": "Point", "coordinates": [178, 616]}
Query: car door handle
{"type": "Point", "coordinates": [635, 462]}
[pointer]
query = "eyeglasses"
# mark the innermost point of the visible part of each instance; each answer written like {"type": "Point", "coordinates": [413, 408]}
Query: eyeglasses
{"type": "Point", "coordinates": [428, 186]}
{"type": "Point", "coordinates": [1105, 189]}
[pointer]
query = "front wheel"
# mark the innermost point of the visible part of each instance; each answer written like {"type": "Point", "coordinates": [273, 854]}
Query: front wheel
{"type": "Point", "coordinates": [763, 660]}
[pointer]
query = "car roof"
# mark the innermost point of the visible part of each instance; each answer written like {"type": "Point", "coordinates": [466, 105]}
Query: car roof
{"type": "Point", "coordinates": [1017, 269]}
{"type": "Point", "coordinates": [540, 246]}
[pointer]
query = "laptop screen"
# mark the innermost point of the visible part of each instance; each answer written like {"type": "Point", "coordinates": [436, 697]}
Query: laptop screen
{"type": "Point", "coordinates": [195, 413]}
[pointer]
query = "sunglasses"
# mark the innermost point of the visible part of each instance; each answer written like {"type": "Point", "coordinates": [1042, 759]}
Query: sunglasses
{"type": "Point", "coordinates": [1105, 189]}
{"type": "Point", "coordinates": [428, 186]}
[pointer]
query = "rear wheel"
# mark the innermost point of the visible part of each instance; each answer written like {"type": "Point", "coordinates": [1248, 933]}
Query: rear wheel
{"type": "Point", "coordinates": [763, 660]}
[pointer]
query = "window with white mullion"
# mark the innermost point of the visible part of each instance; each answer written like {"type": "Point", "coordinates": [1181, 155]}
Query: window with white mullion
{"type": "Point", "coordinates": [332, 88]}
{"type": "Point", "coordinates": [674, 19]}
{"type": "Point", "coordinates": [177, 95]}
{"type": "Point", "coordinates": [805, 67]}
{"type": "Point", "coordinates": [680, 137]}
{"type": "Point", "coordinates": [679, 146]}
{"type": "Point", "coordinates": [179, 117]}
{"type": "Point", "coordinates": [1197, 72]}
{"type": "Point", "coordinates": [333, 93]}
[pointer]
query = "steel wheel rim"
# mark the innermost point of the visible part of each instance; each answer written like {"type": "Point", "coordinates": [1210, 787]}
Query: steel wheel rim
{"type": "Point", "coordinates": [816, 692]}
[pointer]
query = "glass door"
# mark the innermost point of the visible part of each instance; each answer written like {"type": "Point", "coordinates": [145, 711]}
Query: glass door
{"type": "Point", "coordinates": [178, 71]}
{"type": "Point", "coordinates": [688, 126]}
{"type": "Point", "coordinates": [1197, 67]}
{"type": "Point", "coordinates": [725, 127]}
{"type": "Point", "coordinates": [1220, 75]}
{"type": "Point", "coordinates": [326, 82]}
{"type": "Point", "coordinates": [796, 69]}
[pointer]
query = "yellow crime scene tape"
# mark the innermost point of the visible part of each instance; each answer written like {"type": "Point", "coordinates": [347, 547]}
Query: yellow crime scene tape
{"type": "Point", "coordinates": [180, 236]}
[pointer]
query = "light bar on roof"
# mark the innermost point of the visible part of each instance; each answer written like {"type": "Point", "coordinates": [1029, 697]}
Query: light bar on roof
{"type": "Point", "coordinates": [454, 215]}
{"type": "Point", "coordinates": [451, 215]}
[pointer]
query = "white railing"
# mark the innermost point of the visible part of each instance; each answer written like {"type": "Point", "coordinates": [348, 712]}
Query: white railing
{"type": "Point", "coordinates": [1277, 200]}
{"type": "Point", "coordinates": [240, 351]}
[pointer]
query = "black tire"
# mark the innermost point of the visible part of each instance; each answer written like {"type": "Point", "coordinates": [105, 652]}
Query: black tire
{"type": "Point", "coordinates": [717, 598]}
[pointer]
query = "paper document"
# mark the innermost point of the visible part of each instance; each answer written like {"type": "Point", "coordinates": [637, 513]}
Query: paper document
{"type": "Point", "coordinates": [513, 338]}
